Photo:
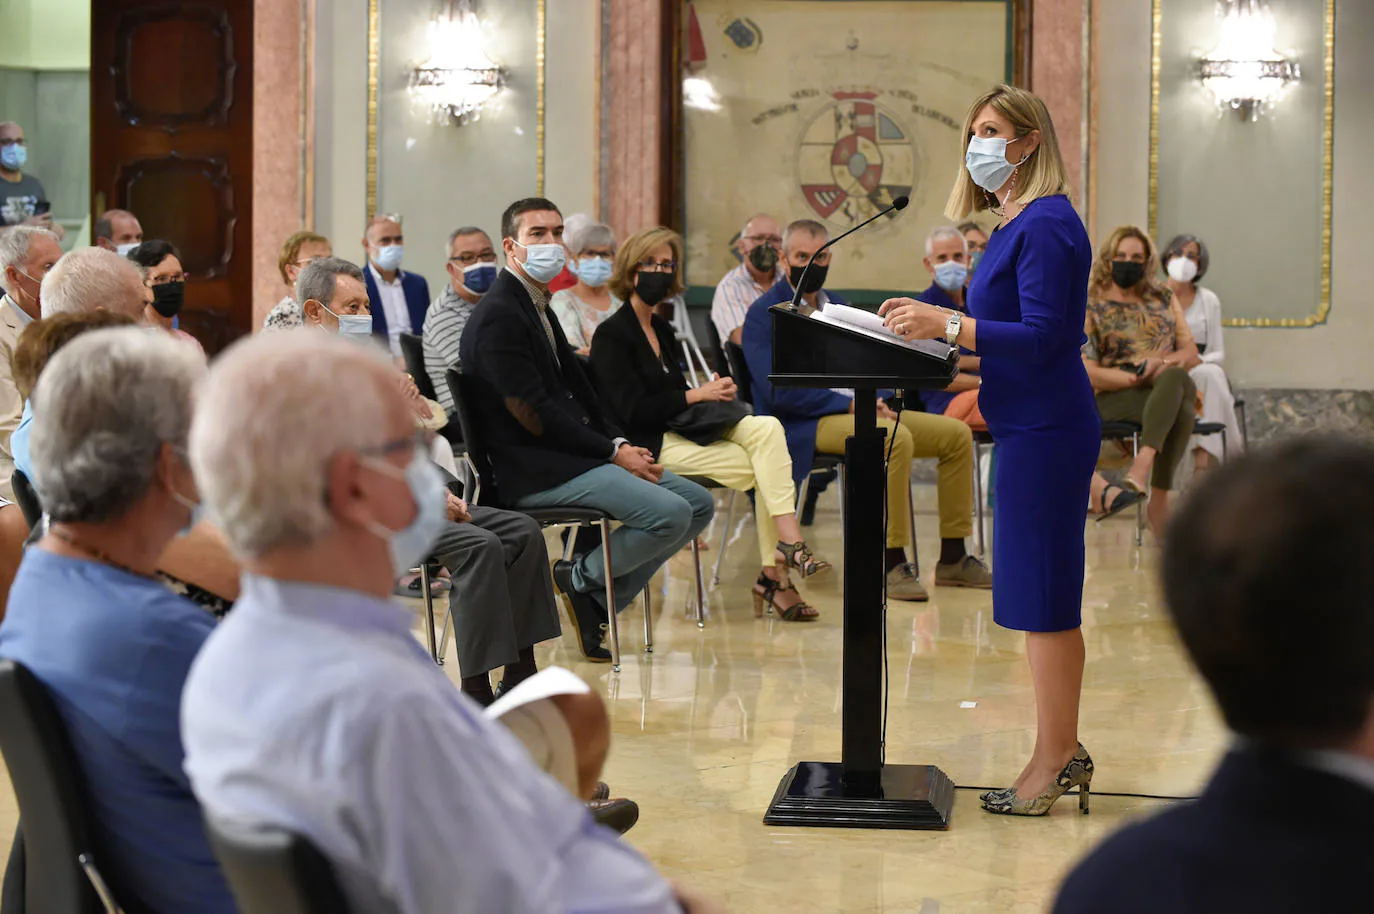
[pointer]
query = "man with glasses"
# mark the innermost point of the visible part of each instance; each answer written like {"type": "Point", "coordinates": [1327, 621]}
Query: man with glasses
{"type": "Point", "coordinates": [21, 194]}
{"type": "Point", "coordinates": [471, 270]}
{"type": "Point", "coordinates": [760, 267]}
{"type": "Point", "coordinates": [27, 253]}
{"type": "Point", "coordinates": [549, 440]}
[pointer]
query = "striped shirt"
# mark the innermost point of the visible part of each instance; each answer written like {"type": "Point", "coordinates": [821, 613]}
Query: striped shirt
{"type": "Point", "coordinates": [735, 292]}
{"type": "Point", "coordinates": [442, 335]}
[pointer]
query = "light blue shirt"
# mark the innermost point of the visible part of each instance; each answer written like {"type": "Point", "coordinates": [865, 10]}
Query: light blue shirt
{"type": "Point", "coordinates": [19, 442]}
{"type": "Point", "coordinates": [315, 709]}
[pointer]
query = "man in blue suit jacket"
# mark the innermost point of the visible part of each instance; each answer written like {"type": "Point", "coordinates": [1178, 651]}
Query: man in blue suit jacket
{"type": "Point", "coordinates": [399, 300]}
{"type": "Point", "coordinates": [1268, 578]}
{"type": "Point", "coordinates": [822, 419]}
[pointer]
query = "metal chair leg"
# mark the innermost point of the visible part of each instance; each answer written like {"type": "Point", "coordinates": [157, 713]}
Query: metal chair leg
{"type": "Point", "coordinates": [911, 518]}
{"type": "Point", "coordinates": [801, 493]}
{"type": "Point", "coordinates": [840, 480]}
{"type": "Point", "coordinates": [1140, 505]}
{"type": "Point", "coordinates": [429, 612]}
{"type": "Point", "coordinates": [1224, 454]}
{"type": "Point", "coordinates": [571, 543]}
{"type": "Point", "coordinates": [724, 538]}
{"type": "Point", "coordinates": [443, 635]}
{"type": "Point", "coordinates": [610, 596]}
{"type": "Point", "coordinates": [648, 620]}
{"type": "Point", "coordinates": [978, 498]}
{"type": "Point", "coordinates": [701, 588]}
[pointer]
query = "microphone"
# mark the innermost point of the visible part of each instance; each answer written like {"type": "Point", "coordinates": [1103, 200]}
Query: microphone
{"type": "Point", "coordinates": [897, 204]}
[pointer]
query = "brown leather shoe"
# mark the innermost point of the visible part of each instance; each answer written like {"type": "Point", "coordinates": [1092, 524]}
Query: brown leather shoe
{"type": "Point", "coordinates": [619, 814]}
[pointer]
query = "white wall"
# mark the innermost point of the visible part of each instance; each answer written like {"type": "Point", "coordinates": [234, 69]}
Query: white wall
{"type": "Point", "coordinates": [1335, 355]}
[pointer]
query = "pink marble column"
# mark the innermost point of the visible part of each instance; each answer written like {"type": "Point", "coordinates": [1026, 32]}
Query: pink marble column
{"type": "Point", "coordinates": [277, 155]}
{"type": "Point", "coordinates": [632, 83]}
{"type": "Point", "coordinates": [1057, 76]}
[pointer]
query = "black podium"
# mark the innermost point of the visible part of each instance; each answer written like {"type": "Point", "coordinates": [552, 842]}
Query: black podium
{"type": "Point", "coordinates": [860, 791]}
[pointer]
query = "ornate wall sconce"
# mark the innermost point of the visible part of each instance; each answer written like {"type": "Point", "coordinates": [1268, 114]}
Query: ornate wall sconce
{"type": "Point", "coordinates": [458, 78]}
{"type": "Point", "coordinates": [1244, 73]}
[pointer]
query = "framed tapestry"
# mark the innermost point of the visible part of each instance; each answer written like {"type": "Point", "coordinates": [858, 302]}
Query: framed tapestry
{"type": "Point", "coordinates": [827, 110]}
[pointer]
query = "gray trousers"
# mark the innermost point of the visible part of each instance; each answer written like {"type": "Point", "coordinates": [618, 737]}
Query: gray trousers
{"type": "Point", "coordinates": [502, 598]}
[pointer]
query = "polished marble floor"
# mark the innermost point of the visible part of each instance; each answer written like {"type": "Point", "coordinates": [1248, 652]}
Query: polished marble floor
{"type": "Point", "coordinates": [707, 724]}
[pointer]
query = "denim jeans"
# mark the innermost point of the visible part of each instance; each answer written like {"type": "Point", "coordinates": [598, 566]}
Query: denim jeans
{"type": "Point", "coordinates": [655, 522]}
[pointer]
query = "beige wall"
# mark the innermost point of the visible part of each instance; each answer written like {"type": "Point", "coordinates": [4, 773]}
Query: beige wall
{"type": "Point", "coordinates": [1331, 356]}
{"type": "Point", "coordinates": [45, 34]}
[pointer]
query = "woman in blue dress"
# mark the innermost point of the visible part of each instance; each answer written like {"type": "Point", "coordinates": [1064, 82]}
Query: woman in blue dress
{"type": "Point", "coordinates": [1026, 315]}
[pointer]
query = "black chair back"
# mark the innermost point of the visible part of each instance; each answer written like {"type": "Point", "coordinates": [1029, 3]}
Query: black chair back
{"type": "Point", "coordinates": [51, 797]}
{"type": "Point", "coordinates": [413, 351]}
{"type": "Point", "coordinates": [26, 498]}
{"type": "Point", "coordinates": [739, 370]}
{"type": "Point", "coordinates": [716, 353]}
{"type": "Point", "coordinates": [472, 438]}
{"type": "Point", "coordinates": [273, 871]}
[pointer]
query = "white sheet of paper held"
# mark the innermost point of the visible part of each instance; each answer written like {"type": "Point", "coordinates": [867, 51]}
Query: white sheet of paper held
{"type": "Point", "coordinates": [870, 324]}
{"type": "Point", "coordinates": [548, 682]}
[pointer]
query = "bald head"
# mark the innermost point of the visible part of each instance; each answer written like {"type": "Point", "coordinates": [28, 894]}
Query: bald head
{"type": "Point", "coordinates": [117, 228]}
{"type": "Point", "coordinates": [91, 279]}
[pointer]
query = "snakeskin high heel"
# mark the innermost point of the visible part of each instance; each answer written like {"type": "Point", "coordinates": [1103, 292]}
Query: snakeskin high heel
{"type": "Point", "coordinates": [799, 556]}
{"type": "Point", "coordinates": [1077, 773]}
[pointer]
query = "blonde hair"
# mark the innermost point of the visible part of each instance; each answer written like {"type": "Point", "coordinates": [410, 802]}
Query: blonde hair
{"type": "Point", "coordinates": [639, 246]}
{"type": "Point", "coordinates": [1041, 175]}
{"type": "Point", "coordinates": [1100, 279]}
{"type": "Point", "coordinates": [291, 250]}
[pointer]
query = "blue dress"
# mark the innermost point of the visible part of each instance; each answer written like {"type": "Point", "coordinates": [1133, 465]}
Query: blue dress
{"type": "Point", "coordinates": [1029, 296]}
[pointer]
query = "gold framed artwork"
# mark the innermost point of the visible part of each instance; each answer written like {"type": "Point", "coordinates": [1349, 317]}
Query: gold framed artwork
{"type": "Point", "coordinates": [1258, 192]}
{"type": "Point", "coordinates": [828, 110]}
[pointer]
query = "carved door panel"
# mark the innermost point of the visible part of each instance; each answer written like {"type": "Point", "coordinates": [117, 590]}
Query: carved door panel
{"type": "Point", "coordinates": [172, 142]}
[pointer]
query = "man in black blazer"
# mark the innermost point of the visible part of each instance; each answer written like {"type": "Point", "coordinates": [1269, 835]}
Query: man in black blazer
{"type": "Point", "coordinates": [549, 440]}
{"type": "Point", "coordinates": [1268, 576]}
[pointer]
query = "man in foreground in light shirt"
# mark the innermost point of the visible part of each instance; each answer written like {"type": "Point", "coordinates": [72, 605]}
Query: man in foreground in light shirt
{"type": "Point", "coordinates": [314, 708]}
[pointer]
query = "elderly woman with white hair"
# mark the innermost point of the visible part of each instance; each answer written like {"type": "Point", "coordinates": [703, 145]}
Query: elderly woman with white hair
{"type": "Point", "coordinates": [89, 617]}
{"type": "Point", "coordinates": [583, 308]}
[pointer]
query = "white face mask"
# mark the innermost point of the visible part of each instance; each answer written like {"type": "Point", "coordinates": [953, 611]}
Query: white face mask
{"type": "Point", "coordinates": [1182, 269]}
{"type": "Point", "coordinates": [123, 249]}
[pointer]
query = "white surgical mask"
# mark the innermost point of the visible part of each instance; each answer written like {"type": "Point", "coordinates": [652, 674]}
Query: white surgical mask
{"type": "Point", "coordinates": [409, 545]}
{"type": "Point", "coordinates": [123, 250]}
{"type": "Point", "coordinates": [951, 275]}
{"type": "Point", "coordinates": [389, 257]}
{"type": "Point", "coordinates": [544, 261]}
{"type": "Point", "coordinates": [986, 160]}
{"type": "Point", "coordinates": [1182, 269]}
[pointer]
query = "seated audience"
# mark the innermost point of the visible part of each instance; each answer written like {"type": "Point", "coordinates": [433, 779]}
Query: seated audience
{"type": "Point", "coordinates": [161, 266]}
{"type": "Point", "coordinates": [1284, 824]}
{"type": "Point", "coordinates": [821, 420]}
{"type": "Point", "coordinates": [117, 230]}
{"type": "Point", "coordinates": [977, 241]}
{"type": "Point", "coordinates": [399, 299]}
{"type": "Point", "coordinates": [582, 308]}
{"type": "Point", "coordinates": [471, 271]}
{"type": "Point", "coordinates": [549, 439]}
{"type": "Point", "coordinates": [296, 254]}
{"type": "Point", "coordinates": [634, 361]}
{"type": "Point", "coordinates": [90, 279]}
{"type": "Point", "coordinates": [1138, 353]}
{"type": "Point", "coordinates": [947, 262]}
{"type": "Point", "coordinates": [27, 253]}
{"type": "Point", "coordinates": [313, 707]}
{"type": "Point", "coordinates": [759, 246]}
{"type": "Point", "coordinates": [1185, 262]}
{"type": "Point", "coordinates": [501, 600]}
{"type": "Point", "coordinates": [90, 619]}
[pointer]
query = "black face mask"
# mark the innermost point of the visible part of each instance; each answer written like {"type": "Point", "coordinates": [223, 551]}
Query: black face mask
{"type": "Point", "coordinates": [652, 288]}
{"type": "Point", "coordinates": [814, 280]}
{"type": "Point", "coordinates": [1126, 273]}
{"type": "Point", "coordinates": [764, 259]}
{"type": "Point", "coordinates": [168, 297]}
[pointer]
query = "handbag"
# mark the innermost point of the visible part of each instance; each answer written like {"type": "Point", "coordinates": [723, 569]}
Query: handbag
{"type": "Point", "coordinates": [706, 423]}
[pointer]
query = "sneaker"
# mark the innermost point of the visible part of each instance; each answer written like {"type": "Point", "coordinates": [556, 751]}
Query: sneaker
{"type": "Point", "coordinates": [902, 584]}
{"type": "Point", "coordinates": [967, 572]}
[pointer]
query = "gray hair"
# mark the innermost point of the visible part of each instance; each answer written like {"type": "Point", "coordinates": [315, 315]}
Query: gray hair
{"type": "Point", "coordinates": [16, 243]}
{"type": "Point", "coordinates": [320, 277]}
{"type": "Point", "coordinates": [809, 226]}
{"type": "Point", "coordinates": [103, 407]}
{"type": "Point", "coordinates": [589, 235]}
{"type": "Point", "coordinates": [463, 231]}
{"type": "Point", "coordinates": [942, 232]}
{"type": "Point", "coordinates": [89, 279]}
{"type": "Point", "coordinates": [269, 421]}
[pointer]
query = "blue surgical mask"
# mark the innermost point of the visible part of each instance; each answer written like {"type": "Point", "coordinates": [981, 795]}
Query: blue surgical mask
{"type": "Point", "coordinates": [478, 277]}
{"type": "Point", "coordinates": [951, 275]}
{"type": "Point", "coordinates": [13, 156]}
{"type": "Point", "coordinates": [411, 544]}
{"type": "Point", "coordinates": [973, 261]}
{"type": "Point", "coordinates": [594, 271]}
{"type": "Point", "coordinates": [354, 326]}
{"type": "Point", "coordinates": [544, 261]}
{"type": "Point", "coordinates": [986, 160]}
{"type": "Point", "coordinates": [389, 257]}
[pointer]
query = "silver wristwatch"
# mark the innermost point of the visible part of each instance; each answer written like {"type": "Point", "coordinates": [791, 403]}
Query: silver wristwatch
{"type": "Point", "coordinates": [956, 320]}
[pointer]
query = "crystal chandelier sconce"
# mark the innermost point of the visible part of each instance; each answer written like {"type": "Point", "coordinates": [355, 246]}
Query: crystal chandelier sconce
{"type": "Point", "coordinates": [1244, 73]}
{"type": "Point", "coordinates": [458, 78]}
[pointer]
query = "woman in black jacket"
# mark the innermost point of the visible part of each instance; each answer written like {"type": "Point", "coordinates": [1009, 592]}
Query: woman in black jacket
{"type": "Point", "coordinates": [638, 376]}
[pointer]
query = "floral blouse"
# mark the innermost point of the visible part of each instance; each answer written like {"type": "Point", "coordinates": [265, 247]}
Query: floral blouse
{"type": "Point", "coordinates": [1126, 333]}
{"type": "Point", "coordinates": [578, 319]}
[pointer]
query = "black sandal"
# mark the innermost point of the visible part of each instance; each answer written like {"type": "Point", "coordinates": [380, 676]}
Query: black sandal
{"type": "Point", "coordinates": [766, 590]}
{"type": "Point", "coordinates": [1128, 498]}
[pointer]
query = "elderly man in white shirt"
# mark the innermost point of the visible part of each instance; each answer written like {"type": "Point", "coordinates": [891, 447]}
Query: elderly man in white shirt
{"type": "Point", "coordinates": [314, 708]}
{"type": "Point", "coordinates": [759, 246]}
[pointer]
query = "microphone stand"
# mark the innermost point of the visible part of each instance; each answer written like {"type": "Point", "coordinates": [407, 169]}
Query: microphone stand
{"type": "Point", "coordinates": [898, 204]}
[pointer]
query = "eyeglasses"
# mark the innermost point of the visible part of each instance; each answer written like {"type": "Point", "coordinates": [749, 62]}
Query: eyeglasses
{"type": "Point", "coordinates": [468, 260]}
{"type": "Point", "coordinates": [12, 142]}
{"type": "Point", "coordinates": [658, 266]}
{"type": "Point", "coordinates": [773, 241]}
{"type": "Point", "coordinates": [163, 280]}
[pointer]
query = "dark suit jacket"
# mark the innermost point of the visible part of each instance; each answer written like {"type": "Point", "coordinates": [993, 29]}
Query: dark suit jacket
{"type": "Point", "coordinates": [642, 390]}
{"type": "Point", "coordinates": [540, 418]}
{"type": "Point", "coordinates": [1268, 835]}
{"type": "Point", "coordinates": [417, 302]}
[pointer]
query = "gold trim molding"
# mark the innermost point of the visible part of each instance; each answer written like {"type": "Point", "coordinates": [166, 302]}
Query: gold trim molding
{"type": "Point", "coordinates": [1323, 310]}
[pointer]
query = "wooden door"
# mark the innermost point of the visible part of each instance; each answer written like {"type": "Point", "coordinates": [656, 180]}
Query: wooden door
{"type": "Point", "coordinates": [172, 142]}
